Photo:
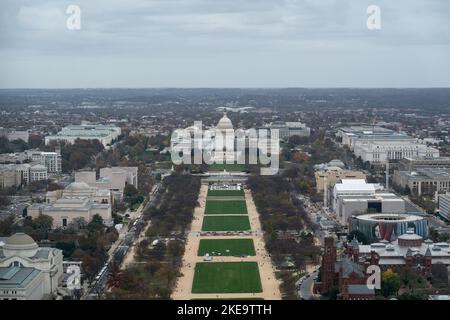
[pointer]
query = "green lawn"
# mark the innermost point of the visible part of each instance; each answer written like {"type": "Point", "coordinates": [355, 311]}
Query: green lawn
{"type": "Point", "coordinates": [225, 193]}
{"type": "Point", "coordinates": [236, 247]}
{"type": "Point", "coordinates": [225, 166]}
{"type": "Point", "coordinates": [226, 277]}
{"type": "Point", "coordinates": [225, 207]}
{"type": "Point", "coordinates": [226, 223]}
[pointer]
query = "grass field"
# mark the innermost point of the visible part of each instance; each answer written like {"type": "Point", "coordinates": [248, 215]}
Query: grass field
{"type": "Point", "coordinates": [236, 247]}
{"type": "Point", "coordinates": [226, 223]}
{"type": "Point", "coordinates": [226, 277]}
{"type": "Point", "coordinates": [225, 193]}
{"type": "Point", "coordinates": [225, 166]}
{"type": "Point", "coordinates": [225, 207]}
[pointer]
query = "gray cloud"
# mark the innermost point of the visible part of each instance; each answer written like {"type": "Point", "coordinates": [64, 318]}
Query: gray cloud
{"type": "Point", "coordinates": [224, 43]}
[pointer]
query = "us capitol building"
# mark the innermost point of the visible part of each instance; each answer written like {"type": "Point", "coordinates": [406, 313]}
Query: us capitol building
{"type": "Point", "coordinates": [229, 137]}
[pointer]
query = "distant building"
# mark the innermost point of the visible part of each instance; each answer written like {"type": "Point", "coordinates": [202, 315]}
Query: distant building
{"type": "Point", "coordinates": [412, 164]}
{"type": "Point", "coordinates": [28, 272]}
{"type": "Point", "coordinates": [356, 196]}
{"type": "Point", "coordinates": [77, 200]}
{"type": "Point", "coordinates": [13, 135]}
{"type": "Point", "coordinates": [444, 206]}
{"type": "Point", "coordinates": [351, 134]}
{"type": "Point", "coordinates": [328, 177]}
{"type": "Point", "coordinates": [409, 250]}
{"type": "Point", "coordinates": [112, 178]}
{"type": "Point", "coordinates": [106, 134]}
{"type": "Point", "coordinates": [9, 177]}
{"type": "Point", "coordinates": [332, 164]}
{"type": "Point", "coordinates": [51, 160]}
{"type": "Point", "coordinates": [289, 129]}
{"type": "Point", "coordinates": [342, 272]}
{"type": "Point", "coordinates": [424, 180]}
{"type": "Point", "coordinates": [24, 173]}
{"type": "Point", "coordinates": [38, 172]}
{"type": "Point", "coordinates": [392, 150]}
{"type": "Point", "coordinates": [378, 145]}
{"type": "Point", "coordinates": [388, 226]}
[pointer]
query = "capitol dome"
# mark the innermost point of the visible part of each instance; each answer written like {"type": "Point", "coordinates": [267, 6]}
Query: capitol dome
{"type": "Point", "coordinates": [20, 244]}
{"type": "Point", "coordinates": [75, 186]}
{"type": "Point", "coordinates": [224, 123]}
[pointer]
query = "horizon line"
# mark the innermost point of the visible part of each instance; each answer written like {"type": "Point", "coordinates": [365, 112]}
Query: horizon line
{"type": "Point", "coordinates": [210, 88]}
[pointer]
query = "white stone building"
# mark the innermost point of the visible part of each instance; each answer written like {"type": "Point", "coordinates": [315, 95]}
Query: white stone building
{"type": "Point", "coordinates": [24, 173]}
{"type": "Point", "coordinates": [112, 178]}
{"type": "Point", "coordinates": [9, 177]}
{"type": "Point", "coordinates": [78, 200]}
{"type": "Point", "coordinates": [356, 196]}
{"type": "Point", "coordinates": [289, 129]}
{"type": "Point", "coordinates": [28, 272]}
{"type": "Point", "coordinates": [382, 151]}
{"type": "Point", "coordinates": [106, 134]}
{"type": "Point", "coordinates": [51, 160]}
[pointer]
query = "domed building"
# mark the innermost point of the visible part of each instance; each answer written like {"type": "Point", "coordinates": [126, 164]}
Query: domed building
{"type": "Point", "coordinates": [27, 271]}
{"type": "Point", "coordinates": [224, 124]}
{"type": "Point", "coordinates": [408, 250]}
{"type": "Point", "coordinates": [224, 137]}
{"type": "Point", "coordinates": [77, 200]}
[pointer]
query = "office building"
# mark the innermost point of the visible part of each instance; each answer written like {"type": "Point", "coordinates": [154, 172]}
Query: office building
{"type": "Point", "coordinates": [444, 206]}
{"type": "Point", "coordinates": [423, 180]}
{"type": "Point", "coordinates": [412, 164]}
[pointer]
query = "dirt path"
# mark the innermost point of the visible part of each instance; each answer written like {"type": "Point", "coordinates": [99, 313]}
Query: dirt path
{"type": "Point", "coordinates": [270, 284]}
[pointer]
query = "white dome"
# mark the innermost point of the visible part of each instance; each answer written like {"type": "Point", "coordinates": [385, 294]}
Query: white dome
{"type": "Point", "coordinates": [19, 239]}
{"type": "Point", "coordinates": [224, 123]}
{"type": "Point", "coordinates": [20, 244]}
{"type": "Point", "coordinates": [77, 186]}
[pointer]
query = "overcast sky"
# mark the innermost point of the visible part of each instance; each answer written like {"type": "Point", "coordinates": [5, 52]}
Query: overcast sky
{"type": "Point", "coordinates": [224, 43]}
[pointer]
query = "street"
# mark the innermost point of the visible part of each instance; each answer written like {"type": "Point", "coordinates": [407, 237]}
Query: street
{"type": "Point", "coordinates": [120, 248]}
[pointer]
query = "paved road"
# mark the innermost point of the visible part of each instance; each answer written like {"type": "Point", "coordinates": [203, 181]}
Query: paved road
{"type": "Point", "coordinates": [119, 249]}
{"type": "Point", "coordinates": [306, 286]}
